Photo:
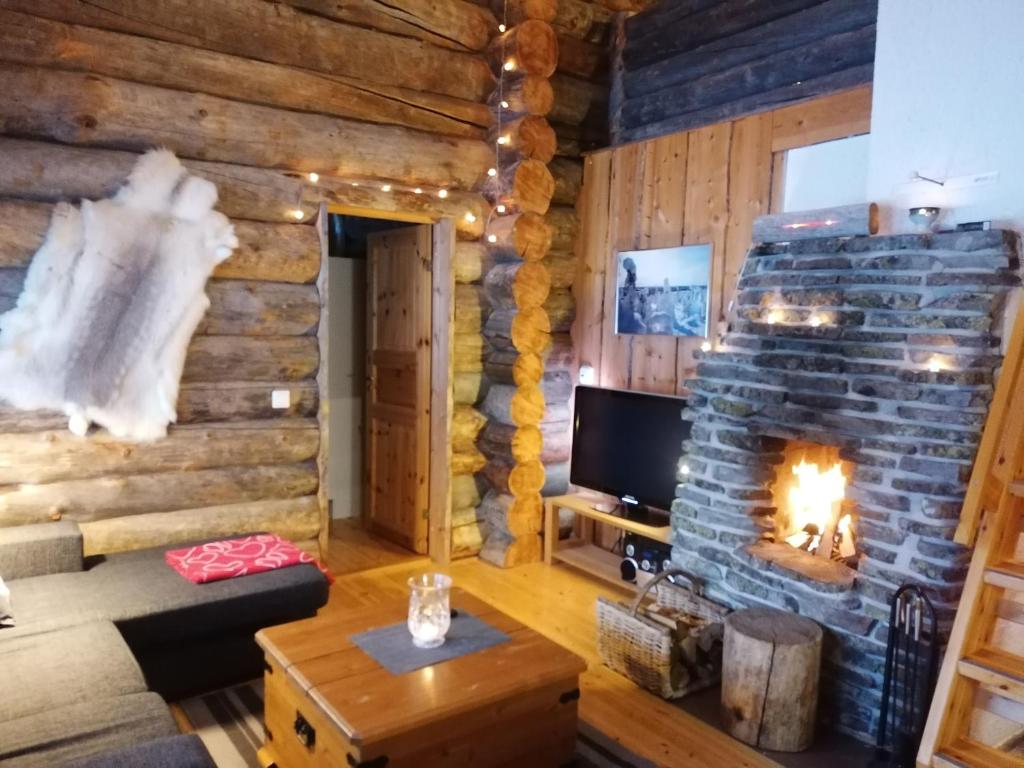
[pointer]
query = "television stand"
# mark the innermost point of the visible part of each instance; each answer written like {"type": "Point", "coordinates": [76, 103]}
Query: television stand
{"type": "Point", "coordinates": [579, 552]}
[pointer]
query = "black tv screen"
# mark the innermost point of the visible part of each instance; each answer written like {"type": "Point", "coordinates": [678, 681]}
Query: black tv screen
{"type": "Point", "coordinates": [628, 444]}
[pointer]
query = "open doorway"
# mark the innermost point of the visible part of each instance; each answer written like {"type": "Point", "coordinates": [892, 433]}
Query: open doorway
{"type": "Point", "coordinates": [389, 321]}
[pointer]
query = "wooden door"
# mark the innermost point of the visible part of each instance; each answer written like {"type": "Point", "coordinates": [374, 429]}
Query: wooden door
{"type": "Point", "coordinates": [398, 381]}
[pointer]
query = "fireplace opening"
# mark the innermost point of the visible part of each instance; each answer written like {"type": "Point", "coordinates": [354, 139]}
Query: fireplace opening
{"type": "Point", "coordinates": [809, 495]}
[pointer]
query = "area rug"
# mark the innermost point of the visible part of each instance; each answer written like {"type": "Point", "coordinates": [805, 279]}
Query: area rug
{"type": "Point", "coordinates": [230, 723]}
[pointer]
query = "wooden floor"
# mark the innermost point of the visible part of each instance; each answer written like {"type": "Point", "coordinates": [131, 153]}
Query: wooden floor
{"type": "Point", "coordinates": [559, 603]}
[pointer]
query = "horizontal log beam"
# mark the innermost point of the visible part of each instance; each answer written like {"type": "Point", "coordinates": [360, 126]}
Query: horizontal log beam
{"type": "Point", "coordinates": [653, 36]}
{"type": "Point", "coordinates": [75, 108]}
{"type": "Point", "coordinates": [47, 172]}
{"type": "Point", "coordinates": [760, 102]}
{"type": "Point", "coordinates": [48, 457]}
{"type": "Point", "coordinates": [237, 307]}
{"type": "Point", "coordinates": [564, 224]}
{"type": "Point", "coordinates": [818, 58]}
{"type": "Point", "coordinates": [273, 32]}
{"type": "Point", "coordinates": [102, 498]}
{"type": "Point", "coordinates": [36, 41]}
{"type": "Point", "coordinates": [581, 58]}
{"type": "Point", "coordinates": [198, 403]}
{"type": "Point", "coordinates": [815, 23]}
{"type": "Point", "coordinates": [454, 24]}
{"type": "Point", "coordinates": [251, 358]}
{"type": "Point", "coordinates": [583, 19]}
{"type": "Point", "coordinates": [578, 101]}
{"type": "Point", "coordinates": [287, 253]}
{"type": "Point", "coordinates": [293, 519]}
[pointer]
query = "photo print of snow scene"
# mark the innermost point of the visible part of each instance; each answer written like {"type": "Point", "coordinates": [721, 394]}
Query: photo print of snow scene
{"type": "Point", "coordinates": [664, 291]}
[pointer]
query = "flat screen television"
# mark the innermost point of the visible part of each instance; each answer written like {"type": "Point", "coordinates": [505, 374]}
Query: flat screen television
{"type": "Point", "coordinates": [628, 444]}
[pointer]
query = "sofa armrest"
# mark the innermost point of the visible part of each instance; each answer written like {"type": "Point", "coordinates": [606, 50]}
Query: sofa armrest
{"type": "Point", "coordinates": [37, 550]}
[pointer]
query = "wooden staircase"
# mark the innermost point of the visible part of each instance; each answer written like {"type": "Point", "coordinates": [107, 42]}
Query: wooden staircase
{"type": "Point", "coordinates": [977, 715]}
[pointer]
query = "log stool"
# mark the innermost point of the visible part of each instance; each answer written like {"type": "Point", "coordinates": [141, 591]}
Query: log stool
{"type": "Point", "coordinates": [770, 669]}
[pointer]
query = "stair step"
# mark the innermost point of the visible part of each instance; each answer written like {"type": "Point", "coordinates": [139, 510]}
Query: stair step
{"type": "Point", "coordinates": [965, 753]}
{"type": "Point", "coordinates": [997, 669]}
{"type": "Point", "coordinates": [1007, 574]}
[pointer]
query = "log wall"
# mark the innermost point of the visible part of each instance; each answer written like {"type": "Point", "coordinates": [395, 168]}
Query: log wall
{"type": "Point", "coordinates": [688, 63]}
{"type": "Point", "coordinates": [255, 96]}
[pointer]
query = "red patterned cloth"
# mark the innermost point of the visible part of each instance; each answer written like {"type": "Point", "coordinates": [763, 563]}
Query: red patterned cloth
{"type": "Point", "coordinates": [216, 560]}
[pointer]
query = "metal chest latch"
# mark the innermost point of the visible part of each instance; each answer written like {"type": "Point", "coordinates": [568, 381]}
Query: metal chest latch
{"type": "Point", "coordinates": [305, 732]}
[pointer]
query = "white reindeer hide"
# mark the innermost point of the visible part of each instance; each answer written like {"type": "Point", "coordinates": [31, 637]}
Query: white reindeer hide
{"type": "Point", "coordinates": [111, 301]}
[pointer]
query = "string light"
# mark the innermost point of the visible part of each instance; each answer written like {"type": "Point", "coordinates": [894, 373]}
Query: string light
{"type": "Point", "coordinates": [509, 65]}
{"type": "Point", "coordinates": [501, 208]}
{"type": "Point", "coordinates": [297, 214]}
{"type": "Point", "coordinates": [492, 238]}
{"type": "Point", "coordinates": [442, 193]}
{"type": "Point", "coordinates": [492, 172]}
{"type": "Point", "coordinates": [503, 140]}
{"type": "Point", "coordinates": [705, 347]}
{"type": "Point", "coordinates": [470, 217]}
{"type": "Point", "coordinates": [501, 27]}
{"type": "Point", "coordinates": [314, 177]}
{"type": "Point", "coordinates": [418, 191]}
{"type": "Point", "coordinates": [385, 188]}
{"type": "Point", "coordinates": [504, 105]}
{"type": "Point", "coordinates": [355, 183]}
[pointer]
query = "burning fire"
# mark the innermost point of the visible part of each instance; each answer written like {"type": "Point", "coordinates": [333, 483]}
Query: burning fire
{"type": "Point", "coordinates": [815, 509]}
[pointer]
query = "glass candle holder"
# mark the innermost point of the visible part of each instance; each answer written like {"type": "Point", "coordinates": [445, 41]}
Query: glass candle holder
{"type": "Point", "coordinates": [430, 613]}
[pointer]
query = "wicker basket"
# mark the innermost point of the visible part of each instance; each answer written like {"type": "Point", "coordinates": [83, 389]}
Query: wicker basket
{"type": "Point", "coordinates": [672, 647]}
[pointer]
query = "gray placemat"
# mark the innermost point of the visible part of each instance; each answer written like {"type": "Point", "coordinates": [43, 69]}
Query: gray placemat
{"type": "Point", "coordinates": [392, 647]}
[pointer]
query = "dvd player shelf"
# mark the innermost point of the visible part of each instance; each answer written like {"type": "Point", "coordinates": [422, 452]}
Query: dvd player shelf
{"type": "Point", "coordinates": [579, 552]}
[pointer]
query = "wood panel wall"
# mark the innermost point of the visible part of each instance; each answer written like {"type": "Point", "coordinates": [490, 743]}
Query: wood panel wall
{"type": "Point", "coordinates": [253, 95]}
{"type": "Point", "coordinates": [701, 186]}
{"type": "Point", "coordinates": [690, 63]}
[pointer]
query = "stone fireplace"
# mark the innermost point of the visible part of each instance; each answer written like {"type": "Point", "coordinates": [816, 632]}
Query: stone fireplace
{"type": "Point", "coordinates": [870, 357]}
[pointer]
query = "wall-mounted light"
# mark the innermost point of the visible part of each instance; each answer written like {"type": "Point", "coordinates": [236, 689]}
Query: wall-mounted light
{"type": "Point", "coordinates": [586, 375]}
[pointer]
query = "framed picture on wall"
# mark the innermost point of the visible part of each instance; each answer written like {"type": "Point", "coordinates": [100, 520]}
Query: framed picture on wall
{"type": "Point", "coordinates": [663, 291]}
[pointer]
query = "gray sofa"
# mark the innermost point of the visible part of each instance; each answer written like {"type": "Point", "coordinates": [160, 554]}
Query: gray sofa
{"type": "Point", "coordinates": [99, 643]}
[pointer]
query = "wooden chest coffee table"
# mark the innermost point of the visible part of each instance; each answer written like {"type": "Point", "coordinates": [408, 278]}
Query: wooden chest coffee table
{"type": "Point", "coordinates": [330, 705]}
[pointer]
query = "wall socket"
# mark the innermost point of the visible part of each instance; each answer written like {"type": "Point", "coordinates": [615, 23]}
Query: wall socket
{"type": "Point", "coordinates": [281, 399]}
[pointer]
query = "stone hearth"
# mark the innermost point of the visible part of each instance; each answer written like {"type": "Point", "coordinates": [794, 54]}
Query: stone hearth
{"type": "Point", "coordinates": [886, 347]}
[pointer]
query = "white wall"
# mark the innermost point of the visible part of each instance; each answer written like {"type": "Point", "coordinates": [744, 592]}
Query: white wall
{"type": "Point", "coordinates": [826, 175]}
{"type": "Point", "coordinates": [346, 358]}
{"type": "Point", "coordinates": [949, 75]}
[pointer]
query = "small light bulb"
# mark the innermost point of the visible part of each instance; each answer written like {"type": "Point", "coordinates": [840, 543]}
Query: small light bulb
{"type": "Point", "coordinates": [509, 65]}
{"type": "Point", "coordinates": [501, 209]}
{"type": "Point", "coordinates": [492, 172]}
{"type": "Point", "coordinates": [418, 191]}
{"type": "Point", "coordinates": [705, 347]}
{"type": "Point", "coordinates": [385, 188]}
{"type": "Point", "coordinates": [503, 139]}
{"type": "Point", "coordinates": [314, 177]}
{"type": "Point", "coordinates": [355, 183]}
{"type": "Point", "coordinates": [501, 27]}
{"type": "Point", "coordinates": [442, 193]}
{"type": "Point", "coordinates": [815, 321]}
{"type": "Point", "coordinates": [684, 469]}
{"type": "Point", "coordinates": [297, 214]}
{"type": "Point", "coordinates": [504, 105]}
{"type": "Point", "coordinates": [492, 238]}
{"type": "Point", "coordinates": [934, 366]}
{"type": "Point", "coordinates": [470, 217]}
